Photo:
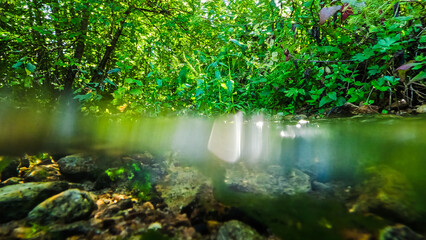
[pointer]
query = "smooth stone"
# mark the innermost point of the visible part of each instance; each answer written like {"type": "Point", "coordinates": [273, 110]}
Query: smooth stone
{"type": "Point", "coordinates": [78, 167]}
{"type": "Point", "coordinates": [270, 181]}
{"type": "Point", "coordinates": [17, 200]}
{"type": "Point", "coordinates": [68, 206]}
{"type": "Point", "coordinates": [236, 230]}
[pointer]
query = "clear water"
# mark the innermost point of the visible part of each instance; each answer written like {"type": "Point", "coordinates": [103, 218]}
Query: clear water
{"type": "Point", "coordinates": [346, 151]}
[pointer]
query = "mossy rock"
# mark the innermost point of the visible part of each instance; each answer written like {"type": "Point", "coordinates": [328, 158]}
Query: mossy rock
{"type": "Point", "coordinates": [388, 193]}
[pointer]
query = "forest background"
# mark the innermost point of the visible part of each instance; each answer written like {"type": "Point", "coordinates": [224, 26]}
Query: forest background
{"type": "Point", "coordinates": [170, 57]}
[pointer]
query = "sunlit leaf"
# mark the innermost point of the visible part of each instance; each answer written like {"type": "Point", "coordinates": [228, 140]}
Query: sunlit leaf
{"type": "Point", "coordinates": [223, 85]}
{"type": "Point", "coordinates": [136, 91]}
{"type": "Point", "coordinates": [420, 76]}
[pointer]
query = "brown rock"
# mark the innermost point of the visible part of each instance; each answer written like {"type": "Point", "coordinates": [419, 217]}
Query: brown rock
{"type": "Point", "coordinates": [366, 109]}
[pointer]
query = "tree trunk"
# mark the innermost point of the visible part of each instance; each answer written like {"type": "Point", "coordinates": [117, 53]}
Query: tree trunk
{"type": "Point", "coordinates": [110, 49]}
{"type": "Point", "coordinates": [79, 50]}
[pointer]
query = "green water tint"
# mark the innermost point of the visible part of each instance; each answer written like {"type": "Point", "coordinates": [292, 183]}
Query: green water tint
{"type": "Point", "coordinates": [379, 153]}
{"type": "Point", "coordinates": [383, 156]}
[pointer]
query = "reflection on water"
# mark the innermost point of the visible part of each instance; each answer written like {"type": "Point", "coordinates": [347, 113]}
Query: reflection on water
{"type": "Point", "coordinates": [296, 178]}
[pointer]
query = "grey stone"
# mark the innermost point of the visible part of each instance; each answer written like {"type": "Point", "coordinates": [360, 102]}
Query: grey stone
{"type": "Point", "coordinates": [68, 206]}
{"type": "Point", "coordinates": [17, 200]}
{"type": "Point", "coordinates": [78, 167]}
{"type": "Point", "coordinates": [181, 186]}
{"type": "Point", "coordinates": [270, 181]}
{"type": "Point", "coordinates": [236, 230]}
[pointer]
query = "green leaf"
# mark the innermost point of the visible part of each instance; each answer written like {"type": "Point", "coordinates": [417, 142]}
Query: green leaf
{"type": "Point", "coordinates": [420, 76]}
{"type": "Point", "coordinates": [114, 70]}
{"type": "Point", "coordinates": [17, 65]}
{"type": "Point", "coordinates": [324, 100]}
{"type": "Point", "coordinates": [332, 96]}
{"type": "Point", "coordinates": [199, 92]}
{"type": "Point", "coordinates": [241, 45]}
{"type": "Point", "coordinates": [223, 85]}
{"type": "Point", "coordinates": [230, 85]}
{"type": "Point", "coordinates": [27, 71]}
{"type": "Point", "coordinates": [109, 81]}
{"type": "Point", "coordinates": [159, 82]}
{"type": "Point", "coordinates": [368, 52]}
{"type": "Point", "coordinates": [217, 74]}
{"type": "Point", "coordinates": [136, 91]}
{"type": "Point", "coordinates": [341, 101]}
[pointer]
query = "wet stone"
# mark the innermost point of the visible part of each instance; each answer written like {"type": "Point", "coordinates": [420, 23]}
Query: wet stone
{"type": "Point", "coordinates": [68, 206]}
{"type": "Point", "coordinates": [13, 180]}
{"type": "Point", "coordinates": [78, 167]}
{"type": "Point", "coordinates": [236, 230]}
{"type": "Point", "coordinates": [180, 187]}
{"type": "Point", "coordinates": [399, 232]}
{"type": "Point", "coordinates": [270, 181]}
{"type": "Point", "coordinates": [62, 231]}
{"type": "Point", "coordinates": [11, 168]}
{"type": "Point", "coordinates": [43, 173]}
{"type": "Point", "coordinates": [387, 193]}
{"type": "Point", "coordinates": [17, 200]}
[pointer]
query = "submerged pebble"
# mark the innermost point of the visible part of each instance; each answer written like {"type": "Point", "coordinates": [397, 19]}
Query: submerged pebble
{"type": "Point", "coordinates": [67, 206]}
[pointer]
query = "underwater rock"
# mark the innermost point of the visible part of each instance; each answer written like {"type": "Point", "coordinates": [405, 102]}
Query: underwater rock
{"type": "Point", "coordinates": [8, 168]}
{"type": "Point", "coordinates": [78, 167]}
{"type": "Point", "coordinates": [67, 206]}
{"type": "Point", "coordinates": [12, 180]}
{"type": "Point", "coordinates": [180, 187]}
{"type": "Point", "coordinates": [17, 200]}
{"type": "Point", "coordinates": [387, 193]}
{"type": "Point", "coordinates": [63, 231]}
{"type": "Point", "coordinates": [43, 173]}
{"type": "Point", "coordinates": [270, 181]}
{"type": "Point", "coordinates": [399, 232]}
{"type": "Point", "coordinates": [236, 230]}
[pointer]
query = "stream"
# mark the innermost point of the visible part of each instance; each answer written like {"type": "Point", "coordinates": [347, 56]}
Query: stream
{"type": "Point", "coordinates": [235, 177]}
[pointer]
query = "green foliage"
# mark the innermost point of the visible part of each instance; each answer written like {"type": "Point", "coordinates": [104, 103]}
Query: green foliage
{"type": "Point", "coordinates": [137, 177]}
{"type": "Point", "coordinates": [213, 57]}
